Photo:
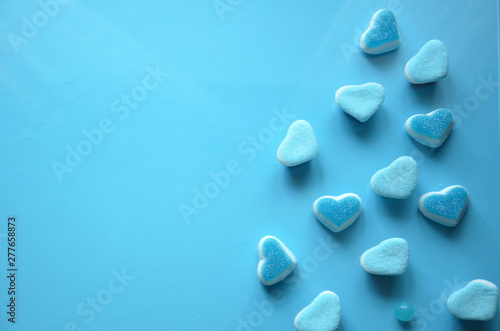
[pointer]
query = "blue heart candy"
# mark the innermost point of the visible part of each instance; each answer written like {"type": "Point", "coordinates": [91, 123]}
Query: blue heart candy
{"type": "Point", "coordinates": [382, 34]}
{"type": "Point", "coordinates": [431, 129]}
{"type": "Point", "coordinates": [360, 101]}
{"type": "Point", "coordinates": [477, 301]}
{"type": "Point", "coordinates": [276, 260]}
{"type": "Point", "coordinates": [299, 146]}
{"type": "Point", "coordinates": [337, 213]}
{"type": "Point", "coordinates": [430, 64]}
{"type": "Point", "coordinates": [445, 207]}
{"type": "Point", "coordinates": [322, 314]}
{"type": "Point", "coordinates": [398, 180]}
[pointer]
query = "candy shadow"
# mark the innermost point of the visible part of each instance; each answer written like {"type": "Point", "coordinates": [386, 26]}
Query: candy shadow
{"type": "Point", "coordinates": [283, 285]}
{"type": "Point", "coordinates": [475, 325]}
{"type": "Point", "coordinates": [425, 150]}
{"type": "Point", "coordinates": [299, 175]}
{"type": "Point", "coordinates": [405, 325]}
{"type": "Point", "coordinates": [427, 93]}
{"type": "Point", "coordinates": [341, 326]}
{"type": "Point", "coordinates": [386, 286]}
{"type": "Point", "coordinates": [437, 153]}
{"type": "Point", "coordinates": [397, 208]}
{"type": "Point", "coordinates": [382, 60]}
{"type": "Point", "coordinates": [448, 231]}
{"type": "Point", "coordinates": [304, 174]}
{"type": "Point", "coordinates": [344, 236]}
{"type": "Point", "coordinates": [366, 131]}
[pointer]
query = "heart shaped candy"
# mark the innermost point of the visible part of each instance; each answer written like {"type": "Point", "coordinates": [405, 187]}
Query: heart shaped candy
{"type": "Point", "coordinates": [276, 261]}
{"type": "Point", "coordinates": [389, 258]}
{"type": "Point", "coordinates": [430, 129]}
{"type": "Point", "coordinates": [477, 301]}
{"type": "Point", "coordinates": [337, 213]}
{"type": "Point", "coordinates": [398, 180]}
{"type": "Point", "coordinates": [299, 146]}
{"type": "Point", "coordinates": [323, 314]}
{"type": "Point", "coordinates": [430, 64]}
{"type": "Point", "coordinates": [382, 34]}
{"type": "Point", "coordinates": [360, 101]}
{"type": "Point", "coordinates": [445, 207]}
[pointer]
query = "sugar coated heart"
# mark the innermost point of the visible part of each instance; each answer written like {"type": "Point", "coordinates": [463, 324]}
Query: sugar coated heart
{"type": "Point", "coordinates": [389, 258]}
{"type": "Point", "coordinates": [360, 101]}
{"type": "Point", "coordinates": [276, 260]}
{"type": "Point", "coordinates": [477, 301]}
{"type": "Point", "coordinates": [445, 207]}
{"type": "Point", "coordinates": [299, 146]}
{"type": "Point", "coordinates": [430, 64]}
{"type": "Point", "coordinates": [323, 314]}
{"type": "Point", "coordinates": [431, 129]}
{"type": "Point", "coordinates": [337, 213]}
{"type": "Point", "coordinates": [398, 180]}
{"type": "Point", "coordinates": [382, 34]}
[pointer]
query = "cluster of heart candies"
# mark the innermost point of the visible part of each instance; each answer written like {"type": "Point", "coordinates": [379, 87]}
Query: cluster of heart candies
{"type": "Point", "coordinates": [478, 300]}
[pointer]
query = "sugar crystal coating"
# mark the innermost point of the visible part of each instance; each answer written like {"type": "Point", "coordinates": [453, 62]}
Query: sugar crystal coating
{"type": "Point", "coordinates": [398, 180]}
{"type": "Point", "coordinates": [360, 101]}
{"type": "Point", "coordinates": [431, 129]}
{"type": "Point", "coordinates": [382, 34]}
{"type": "Point", "coordinates": [429, 65]}
{"type": "Point", "coordinates": [389, 258]}
{"type": "Point", "coordinates": [477, 301]}
{"type": "Point", "coordinates": [323, 314]}
{"type": "Point", "coordinates": [299, 146]}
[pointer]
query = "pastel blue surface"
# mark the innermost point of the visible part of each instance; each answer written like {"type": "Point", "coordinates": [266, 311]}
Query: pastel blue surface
{"type": "Point", "coordinates": [429, 65]}
{"type": "Point", "coordinates": [276, 261]}
{"type": "Point", "coordinates": [299, 146]}
{"type": "Point", "coordinates": [337, 213]}
{"type": "Point", "coordinates": [398, 180]}
{"type": "Point", "coordinates": [165, 213]}
{"type": "Point", "coordinates": [389, 258]}
{"type": "Point", "coordinates": [382, 34]}
{"type": "Point", "coordinates": [431, 129]}
{"type": "Point", "coordinates": [323, 314]}
{"type": "Point", "coordinates": [478, 301]}
{"type": "Point", "coordinates": [360, 101]}
{"type": "Point", "coordinates": [446, 206]}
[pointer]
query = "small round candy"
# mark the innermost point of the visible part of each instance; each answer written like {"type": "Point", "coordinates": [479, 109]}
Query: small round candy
{"type": "Point", "coordinates": [404, 312]}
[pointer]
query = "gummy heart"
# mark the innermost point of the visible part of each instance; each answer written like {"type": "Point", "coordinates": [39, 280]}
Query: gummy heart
{"type": "Point", "coordinates": [477, 301]}
{"type": "Point", "coordinates": [323, 314]}
{"type": "Point", "coordinates": [382, 34]}
{"type": "Point", "coordinates": [398, 180]}
{"type": "Point", "coordinates": [389, 258]}
{"type": "Point", "coordinates": [299, 146]}
{"type": "Point", "coordinates": [445, 207]}
{"type": "Point", "coordinates": [360, 101]}
{"type": "Point", "coordinates": [430, 129]}
{"type": "Point", "coordinates": [276, 260]}
{"type": "Point", "coordinates": [337, 213]}
{"type": "Point", "coordinates": [430, 64]}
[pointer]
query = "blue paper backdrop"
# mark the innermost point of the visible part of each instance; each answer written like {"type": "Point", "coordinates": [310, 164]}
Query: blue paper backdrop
{"type": "Point", "coordinates": [138, 145]}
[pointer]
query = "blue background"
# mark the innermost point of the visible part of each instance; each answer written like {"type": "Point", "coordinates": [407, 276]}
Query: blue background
{"type": "Point", "coordinates": [229, 72]}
